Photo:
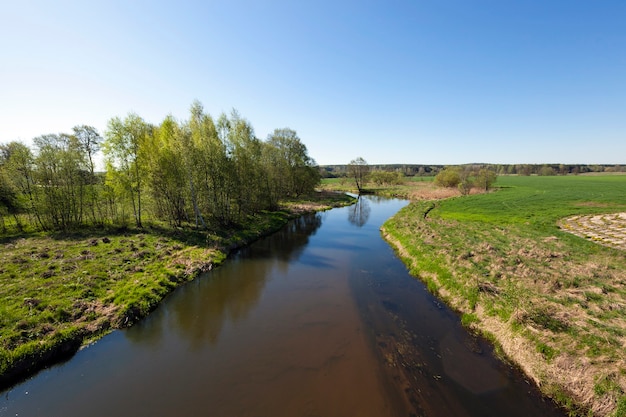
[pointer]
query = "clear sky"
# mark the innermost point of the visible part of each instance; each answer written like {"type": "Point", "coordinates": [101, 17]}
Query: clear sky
{"type": "Point", "coordinates": [411, 81]}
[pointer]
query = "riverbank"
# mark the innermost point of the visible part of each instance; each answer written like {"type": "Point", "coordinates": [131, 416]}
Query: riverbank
{"type": "Point", "coordinates": [59, 292]}
{"type": "Point", "coordinates": [553, 303]}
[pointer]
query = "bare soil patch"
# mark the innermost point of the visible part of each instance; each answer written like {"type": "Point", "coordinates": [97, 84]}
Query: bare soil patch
{"type": "Point", "coordinates": [604, 229]}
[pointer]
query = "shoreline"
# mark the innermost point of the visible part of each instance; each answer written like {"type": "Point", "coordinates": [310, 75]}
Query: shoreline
{"type": "Point", "coordinates": [179, 262]}
{"type": "Point", "coordinates": [547, 356]}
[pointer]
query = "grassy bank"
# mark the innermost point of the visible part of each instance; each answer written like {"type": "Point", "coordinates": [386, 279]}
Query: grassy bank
{"type": "Point", "coordinates": [553, 302]}
{"type": "Point", "coordinates": [58, 292]}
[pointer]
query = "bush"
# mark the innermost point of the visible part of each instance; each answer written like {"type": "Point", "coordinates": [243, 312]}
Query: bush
{"type": "Point", "coordinates": [449, 177]}
{"type": "Point", "coordinates": [386, 178]}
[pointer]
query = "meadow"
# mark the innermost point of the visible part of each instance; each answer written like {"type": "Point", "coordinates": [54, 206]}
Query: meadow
{"type": "Point", "coordinates": [552, 302]}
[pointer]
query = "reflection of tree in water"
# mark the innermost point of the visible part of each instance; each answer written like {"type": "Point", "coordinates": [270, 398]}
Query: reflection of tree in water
{"type": "Point", "coordinates": [288, 243]}
{"type": "Point", "coordinates": [199, 310]}
{"type": "Point", "coordinates": [359, 213]}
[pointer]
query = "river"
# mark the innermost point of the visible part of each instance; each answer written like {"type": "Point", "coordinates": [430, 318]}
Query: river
{"type": "Point", "coordinates": [319, 319]}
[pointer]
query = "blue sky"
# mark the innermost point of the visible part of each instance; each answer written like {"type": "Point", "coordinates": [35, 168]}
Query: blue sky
{"type": "Point", "coordinates": [424, 82]}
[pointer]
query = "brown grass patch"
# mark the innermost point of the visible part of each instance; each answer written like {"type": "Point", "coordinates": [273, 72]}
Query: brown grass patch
{"type": "Point", "coordinates": [428, 191]}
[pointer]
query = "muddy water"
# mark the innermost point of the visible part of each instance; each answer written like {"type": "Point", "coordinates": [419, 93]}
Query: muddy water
{"type": "Point", "coordinates": [320, 319]}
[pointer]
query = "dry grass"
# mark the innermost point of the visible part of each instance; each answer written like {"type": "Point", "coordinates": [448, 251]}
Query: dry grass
{"type": "Point", "coordinates": [428, 191]}
{"type": "Point", "coordinates": [320, 201]}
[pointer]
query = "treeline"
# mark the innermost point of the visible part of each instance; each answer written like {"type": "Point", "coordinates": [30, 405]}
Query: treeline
{"type": "Point", "coordinates": [410, 170]}
{"type": "Point", "coordinates": [200, 170]}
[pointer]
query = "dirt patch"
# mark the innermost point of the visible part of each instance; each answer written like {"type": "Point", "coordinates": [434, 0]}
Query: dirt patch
{"type": "Point", "coordinates": [604, 229]}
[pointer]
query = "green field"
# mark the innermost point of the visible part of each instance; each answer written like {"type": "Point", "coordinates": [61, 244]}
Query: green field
{"type": "Point", "coordinates": [554, 303]}
{"type": "Point", "coordinates": [540, 201]}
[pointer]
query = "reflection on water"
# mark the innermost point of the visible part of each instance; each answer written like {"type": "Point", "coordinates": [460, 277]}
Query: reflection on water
{"type": "Point", "coordinates": [198, 311]}
{"type": "Point", "coordinates": [320, 319]}
{"type": "Point", "coordinates": [359, 212]}
{"type": "Point", "coordinates": [288, 243]}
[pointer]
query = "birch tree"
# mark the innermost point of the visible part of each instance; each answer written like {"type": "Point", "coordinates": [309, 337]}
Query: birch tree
{"type": "Point", "coordinates": [124, 157]}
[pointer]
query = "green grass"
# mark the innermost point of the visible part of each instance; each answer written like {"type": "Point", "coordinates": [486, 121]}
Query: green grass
{"type": "Point", "coordinates": [540, 201]}
{"type": "Point", "coordinates": [502, 255]}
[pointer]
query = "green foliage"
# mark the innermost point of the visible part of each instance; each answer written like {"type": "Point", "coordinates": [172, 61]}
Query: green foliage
{"type": "Point", "coordinates": [548, 352]}
{"type": "Point", "coordinates": [546, 171]}
{"type": "Point", "coordinates": [9, 202]}
{"type": "Point", "coordinates": [449, 177]}
{"type": "Point", "coordinates": [620, 410]}
{"type": "Point", "coordinates": [125, 151]}
{"type": "Point", "coordinates": [195, 171]}
{"type": "Point", "coordinates": [465, 178]}
{"type": "Point", "coordinates": [467, 319]}
{"type": "Point", "coordinates": [386, 178]}
{"type": "Point", "coordinates": [289, 168]}
{"type": "Point", "coordinates": [485, 178]}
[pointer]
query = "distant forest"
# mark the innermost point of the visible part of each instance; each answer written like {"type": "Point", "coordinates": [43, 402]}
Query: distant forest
{"type": "Point", "coordinates": [411, 170]}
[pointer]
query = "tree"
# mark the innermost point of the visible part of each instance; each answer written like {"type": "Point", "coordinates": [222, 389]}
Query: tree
{"type": "Point", "coordinates": [59, 172]}
{"type": "Point", "coordinates": [546, 171]}
{"type": "Point", "coordinates": [9, 203]}
{"type": "Point", "coordinates": [166, 170]}
{"type": "Point", "coordinates": [295, 171]}
{"type": "Point", "coordinates": [449, 177]}
{"type": "Point", "coordinates": [211, 166]}
{"type": "Point", "coordinates": [190, 157]}
{"type": "Point", "coordinates": [90, 142]}
{"type": "Point", "coordinates": [245, 156]}
{"type": "Point", "coordinates": [485, 179]}
{"type": "Point", "coordinates": [358, 169]}
{"type": "Point", "coordinates": [386, 177]}
{"type": "Point", "coordinates": [17, 162]}
{"type": "Point", "coordinates": [123, 152]}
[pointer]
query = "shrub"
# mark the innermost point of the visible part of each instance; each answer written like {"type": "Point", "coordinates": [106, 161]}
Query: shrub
{"type": "Point", "coordinates": [449, 177]}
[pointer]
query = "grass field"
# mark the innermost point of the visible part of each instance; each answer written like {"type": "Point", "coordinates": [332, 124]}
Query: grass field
{"type": "Point", "coordinates": [553, 302]}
